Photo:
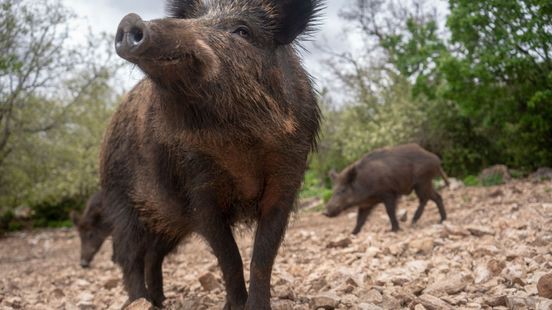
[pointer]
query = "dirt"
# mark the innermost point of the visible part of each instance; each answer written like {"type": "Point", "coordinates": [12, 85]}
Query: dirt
{"type": "Point", "coordinates": [489, 254]}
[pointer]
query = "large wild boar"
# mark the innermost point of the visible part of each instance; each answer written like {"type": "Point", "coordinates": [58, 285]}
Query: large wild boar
{"type": "Point", "coordinates": [382, 177]}
{"type": "Point", "coordinates": [93, 227]}
{"type": "Point", "coordinates": [218, 132]}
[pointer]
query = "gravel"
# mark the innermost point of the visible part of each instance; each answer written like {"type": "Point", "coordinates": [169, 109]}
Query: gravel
{"type": "Point", "coordinates": [494, 251]}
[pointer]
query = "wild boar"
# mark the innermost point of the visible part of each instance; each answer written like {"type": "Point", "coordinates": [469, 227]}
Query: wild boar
{"type": "Point", "coordinates": [217, 133]}
{"type": "Point", "coordinates": [93, 227]}
{"type": "Point", "coordinates": [382, 177]}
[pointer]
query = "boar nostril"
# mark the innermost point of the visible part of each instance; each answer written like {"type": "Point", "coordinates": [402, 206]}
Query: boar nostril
{"type": "Point", "coordinates": [136, 35]}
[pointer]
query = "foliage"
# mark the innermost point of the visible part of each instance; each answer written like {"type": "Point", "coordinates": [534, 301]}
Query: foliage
{"type": "Point", "coordinates": [492, 180]}
{"type": "Point", "coordinates": [55, 101]}
{"type": "Point", "coordinates": [477, 91]}
{"type": "Point", "coordinates": [501, 75]}
{"type": "Point", "coordinates": [471, 180]}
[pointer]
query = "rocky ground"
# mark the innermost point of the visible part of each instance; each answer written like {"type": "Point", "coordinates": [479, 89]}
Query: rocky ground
{"type": "Point", "coordinates": [490, 254]}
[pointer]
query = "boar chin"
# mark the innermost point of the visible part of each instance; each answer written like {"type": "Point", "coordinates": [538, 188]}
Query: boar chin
{"type": "Point", "coordinates": [333, 211]}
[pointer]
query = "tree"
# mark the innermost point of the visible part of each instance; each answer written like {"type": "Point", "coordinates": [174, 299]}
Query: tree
{"type": "Point", "coordinates": [501, 74]}
{"type": "Point", "coordinates": [55, 101]}
{"type": "Point", "coordinates": [36, 61]}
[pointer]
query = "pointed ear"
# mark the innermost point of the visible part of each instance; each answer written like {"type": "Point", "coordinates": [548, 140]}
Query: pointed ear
{"type": "Point", "coordinates": [351, 175]}
{"type": "Point", "coordinates": [332, 174]}
{"type": "Point", "coordinates": [75, 217]}
{"type": "Point", "coordinates": [295, 17]}
{"type": "Point", "coordinates": [183, 8]}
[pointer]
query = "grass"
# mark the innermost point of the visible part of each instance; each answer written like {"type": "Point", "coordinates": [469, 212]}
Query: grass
{"type": "Point", "coordinates": [471, 180]}
{"type": "Point", "coordinates": [490, 180]}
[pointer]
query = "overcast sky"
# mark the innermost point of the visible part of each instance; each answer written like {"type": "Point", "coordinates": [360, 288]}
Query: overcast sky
{"type": "Point", "coordinates": [104, 15]}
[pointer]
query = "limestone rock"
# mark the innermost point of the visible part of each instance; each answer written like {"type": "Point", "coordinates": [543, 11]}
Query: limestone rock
{"type": "Point", "coordinates": [282, 305]}
{"type": "Point", "coordinates": [449, 285]}
{"type": "Point", "coordinates": [496, 170]}
{"type": "Point", "coordinates": [140, 304]}
{"type": "Point", "coordinates": [209, 282]}
{"type": "Point", "coordinates": [341, 243]}
{"type": "Point", "coordinates": [423, 245]}
{"type": "Point", "coordinates": [542, 174]}
{"type": "Point", "coordinates": [111, 283]}
{"type": "Point", "coordinates": [368, 306]}
{"type": "Point", "coordinates": [479, 231]}
{"type": "Point", "coordinates": [433, 303]}
{"type": "Point", "coordinates": [324, 301]}
{"type": "Point", "coordinates": [544, 286]}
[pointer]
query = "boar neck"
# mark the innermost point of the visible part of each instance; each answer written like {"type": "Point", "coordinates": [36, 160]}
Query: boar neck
{"type": "Point", "coordinates": [220, 120]}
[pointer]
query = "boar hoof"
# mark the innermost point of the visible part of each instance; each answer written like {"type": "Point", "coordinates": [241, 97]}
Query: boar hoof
{"type": "Point", "coordinates": [229, 306]}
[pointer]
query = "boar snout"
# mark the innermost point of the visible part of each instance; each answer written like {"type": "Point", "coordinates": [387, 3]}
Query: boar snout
{"type": "Point", "coordinates": [331, 212]}
{"type": "Point", "coordinates": [132, 37]}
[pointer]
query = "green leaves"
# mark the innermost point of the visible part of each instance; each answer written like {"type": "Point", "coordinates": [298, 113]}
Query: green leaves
{"type": "Point", "coordinates": [501, 75]}
{"type": "Point", "coordinates": [55, 100]}
{"type": "Point", "coordinates": [477, 93]}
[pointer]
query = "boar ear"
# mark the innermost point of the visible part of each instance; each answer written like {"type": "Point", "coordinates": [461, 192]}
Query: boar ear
{"type": "Point", "coordinates": [351, 175]}
{"type": "Point", "coordinates": [183, 8]}
{"type": "Point", "coordinates": [332, 174]}
{"type": "Point", "coordinates": [75, 217]}
{"type": "Point", "coordinates": [295, 17]}
{"type": "Point", "coordinates": [96, 218]}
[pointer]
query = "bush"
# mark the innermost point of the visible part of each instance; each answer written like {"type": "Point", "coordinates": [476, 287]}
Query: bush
{"type": "Point", "coordinates": [55, 215]}
{"type": "Point", "coordinates": [471, 180]}
{"type": "Point", "coordinates": [492, 180]}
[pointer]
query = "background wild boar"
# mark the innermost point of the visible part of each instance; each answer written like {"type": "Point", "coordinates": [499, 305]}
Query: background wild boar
{"type": "Point", "coordinates": [382, 177]}
{"type": "Point", "coordinates": [93, 227]}
{"type": "Point", "coordinates": [218, 132]}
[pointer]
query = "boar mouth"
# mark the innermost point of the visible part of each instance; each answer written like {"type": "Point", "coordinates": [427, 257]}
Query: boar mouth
{"type": "Point", "coordinates": [173, 59]}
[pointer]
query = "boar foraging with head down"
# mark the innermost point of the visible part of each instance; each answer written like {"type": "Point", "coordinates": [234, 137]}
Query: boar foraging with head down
{"type": "Point", "coordinates": [382, 177]}
{"type": "Point", "coordinates": [218, 132]}
{"type": "Point", "coordinates": [93, 227]}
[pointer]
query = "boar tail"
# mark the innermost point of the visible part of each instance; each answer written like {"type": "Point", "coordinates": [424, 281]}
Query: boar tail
{"type": "Point", "coordinates": [444, 175]}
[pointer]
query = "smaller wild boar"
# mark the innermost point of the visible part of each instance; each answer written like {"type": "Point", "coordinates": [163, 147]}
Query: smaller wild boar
{"type": "Point", "coordinates": [93, 227]}
{"type": "Point", "coordinates": [382, 177]}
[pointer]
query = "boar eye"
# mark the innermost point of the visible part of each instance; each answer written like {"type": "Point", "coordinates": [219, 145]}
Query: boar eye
{"type": "Point", "coordinates": [242, 31]}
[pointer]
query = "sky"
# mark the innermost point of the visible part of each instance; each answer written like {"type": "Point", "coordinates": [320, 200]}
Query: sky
{"type": "Point", "coordinates": [104, 16]}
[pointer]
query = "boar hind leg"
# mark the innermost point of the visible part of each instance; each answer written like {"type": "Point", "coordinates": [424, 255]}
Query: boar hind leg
{"type": "Point", "coordinates": [423, 193]}
{"type": "Point", "coordinates": [363, 213]}
{"type": "Point", "coordinates": [391, 208]}
{"type": "Point", "coordinates": [439, 202]}
{"type": "Point", "coordinates": [154, 270]}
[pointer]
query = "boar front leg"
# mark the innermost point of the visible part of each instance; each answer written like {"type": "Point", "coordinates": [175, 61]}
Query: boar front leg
{"type": "Point", "coordinates": [154, 270]}
{"type": "Point", "coordinates": [275, 211]}
{"type": "Point", "coordinates": [224, 246]}
{"type": "Point", "coordinates": [216, 230]}
{"type": "Point", "coordinates": [129, 254]}
{"type": "Point", "coordinates": [363, 213]}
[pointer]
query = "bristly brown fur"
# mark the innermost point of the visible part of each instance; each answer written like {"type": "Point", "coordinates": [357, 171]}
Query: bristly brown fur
{"type": "Point", "coordinates": [218, 133]}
